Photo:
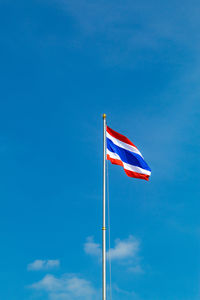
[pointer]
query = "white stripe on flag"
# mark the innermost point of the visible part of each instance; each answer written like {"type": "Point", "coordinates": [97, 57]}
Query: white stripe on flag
{"type": "Point", "coordinates": [113, 155]}
{"type": "Point", "coordinates": [123, 145]}
{"type": "Point", "coordinates": [136, 169]}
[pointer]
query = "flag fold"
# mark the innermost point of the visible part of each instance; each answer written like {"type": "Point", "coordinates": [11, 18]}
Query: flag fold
{"type": "Point", "coordinates": [121, 151]}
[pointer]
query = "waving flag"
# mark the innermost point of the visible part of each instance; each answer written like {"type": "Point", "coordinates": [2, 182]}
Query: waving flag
{"type": "Point", "coordinates": [121, 151]}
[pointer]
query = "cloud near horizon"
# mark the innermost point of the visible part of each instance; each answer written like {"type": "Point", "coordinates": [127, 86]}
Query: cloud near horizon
{"type": "Point", "coordinates": [43, 265]}
{"type": "Point", "coordinates": [66, 287]}
{"type": "Point", "coordinates": [74, 287]}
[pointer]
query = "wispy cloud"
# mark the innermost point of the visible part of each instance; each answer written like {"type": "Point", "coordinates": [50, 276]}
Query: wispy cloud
{"type": "Point", "coordinates": [124, 292]}
{"type": "Point", "coordinates": [124, 29]}
{"type": "Point", "coordinates": [92, 248]}
{"type": "Point", "coordinates": [75, 287]}
{"type": "Point", "coordinates": [42, 265]}
{"type": "Point", "coordinates": [124, 249]}
{"type": "Point", "coordinates": [66, 287]}
{"type": "Point", "coordinates": [136, 269]}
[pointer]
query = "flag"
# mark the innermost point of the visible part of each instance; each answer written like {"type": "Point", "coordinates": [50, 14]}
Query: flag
{"type": "Point", "coordinates": [121, 151]}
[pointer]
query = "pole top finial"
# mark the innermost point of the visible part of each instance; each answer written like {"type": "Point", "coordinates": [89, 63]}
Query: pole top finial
{"type": "Point", "coordinates": [104, 116]}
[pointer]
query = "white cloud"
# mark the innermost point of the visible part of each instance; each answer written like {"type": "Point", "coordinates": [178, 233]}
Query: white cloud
{"type": "Point", "coordinates": [42, 265]}
{"type": "Point", "coordinates": [124, 249]}
{"type": "Point", "coordinates": [91, 247]}
{"type": "Point", "coordinates": [67, 287]}
{"type": "Point", "coordinates": [75, 287]}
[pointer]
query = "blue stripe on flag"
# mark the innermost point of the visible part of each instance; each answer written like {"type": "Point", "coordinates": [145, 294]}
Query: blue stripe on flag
{"type": "Point", "coordinates": [126, 156]}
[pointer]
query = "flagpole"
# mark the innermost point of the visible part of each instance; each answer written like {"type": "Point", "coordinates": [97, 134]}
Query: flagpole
{"type": "Point", "coordinates": [104, 213]}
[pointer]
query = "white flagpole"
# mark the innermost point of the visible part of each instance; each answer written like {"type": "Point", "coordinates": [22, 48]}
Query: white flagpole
{"type": "Point", "coordinates": [104, 213]}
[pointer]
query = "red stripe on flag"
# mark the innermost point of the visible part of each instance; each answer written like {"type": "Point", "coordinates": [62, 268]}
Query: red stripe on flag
{"type": "Point", "coordinates": [136, 175]}
{"type": "Point", "coordinates": [114, 161]}
{"type": "Point", "coordinates": [128, 173]}
{"type": "Point", "coordinates": [119, 136]}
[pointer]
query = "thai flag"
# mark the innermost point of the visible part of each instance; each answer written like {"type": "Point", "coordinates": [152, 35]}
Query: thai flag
{"type": "Point", "coordinates": [121, 151]}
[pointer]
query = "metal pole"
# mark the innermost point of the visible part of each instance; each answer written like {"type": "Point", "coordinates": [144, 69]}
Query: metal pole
{"type": "Point", "coordinates": [104, 213]}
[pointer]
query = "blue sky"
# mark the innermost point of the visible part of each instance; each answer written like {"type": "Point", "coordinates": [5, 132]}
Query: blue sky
{"type": "Point", "coordinates": [63, 64]}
